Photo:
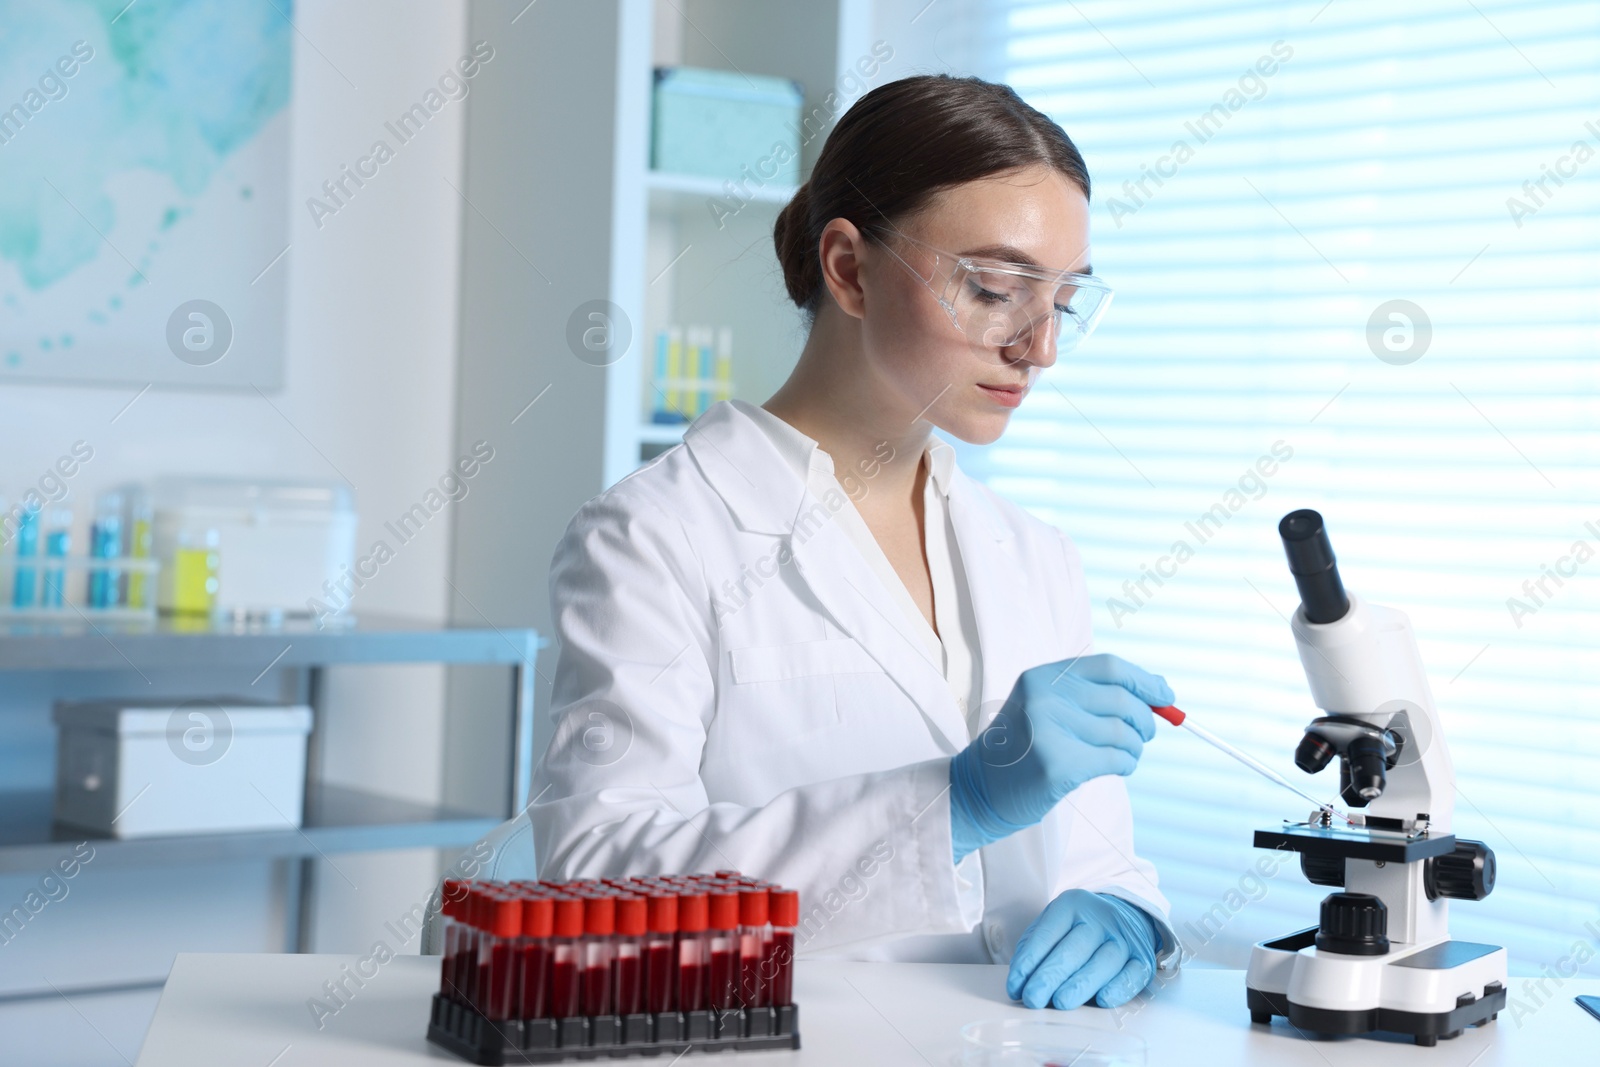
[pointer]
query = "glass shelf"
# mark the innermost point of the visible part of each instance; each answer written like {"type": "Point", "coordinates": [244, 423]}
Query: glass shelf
{"type": "Point", "coordinates": [338, 819]}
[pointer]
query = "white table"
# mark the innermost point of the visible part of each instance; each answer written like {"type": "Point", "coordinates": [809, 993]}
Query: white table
{"type": "Point", "coordinates": [250, 1011]}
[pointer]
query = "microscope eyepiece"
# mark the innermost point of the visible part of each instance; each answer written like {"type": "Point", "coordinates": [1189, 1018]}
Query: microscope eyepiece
{"type": "Point", "coordinates": [1311, 561]}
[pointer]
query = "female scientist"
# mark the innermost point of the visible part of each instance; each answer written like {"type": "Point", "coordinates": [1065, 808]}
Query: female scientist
{"type": "Point", "coordinates": [805, 645]}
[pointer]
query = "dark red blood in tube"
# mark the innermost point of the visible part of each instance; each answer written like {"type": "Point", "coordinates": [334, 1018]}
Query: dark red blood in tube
{"type": "Point", "coordinates": [533, 977]}
{"type": "Point", "coordinates": [693, 944]}
{"type": "Point", "coordinates": [722, 977]}
{"type": "Point", "coordinates": [658, 975]}
{"type": "Point", "coordinates": [564, 991]}
{"type": "Point", "coordinates": [630, 990]}
{"type": "Point", "coordinates": [784, 911]}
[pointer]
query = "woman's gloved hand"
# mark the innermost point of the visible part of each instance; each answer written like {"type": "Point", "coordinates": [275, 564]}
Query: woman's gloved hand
{"type": "Point", "coordinates": [1084, 946]}
{"type": "Point", "coordinates": [1063, 724]}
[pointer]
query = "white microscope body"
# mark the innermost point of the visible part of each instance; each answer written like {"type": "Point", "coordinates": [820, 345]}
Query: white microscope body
{"type": "Point", "coordinates": [1382, 957]}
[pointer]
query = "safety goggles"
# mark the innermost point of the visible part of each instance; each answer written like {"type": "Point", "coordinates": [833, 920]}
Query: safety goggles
{"type": "Point", "coordinates": [1001, 305]}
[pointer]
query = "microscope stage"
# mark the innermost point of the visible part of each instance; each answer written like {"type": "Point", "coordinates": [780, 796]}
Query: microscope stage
{"type": "Point", "coordinates": [1356, 842]}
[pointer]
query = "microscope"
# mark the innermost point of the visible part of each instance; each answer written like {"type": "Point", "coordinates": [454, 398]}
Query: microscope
{"type": "Point", "coordinates": [1381, 958]}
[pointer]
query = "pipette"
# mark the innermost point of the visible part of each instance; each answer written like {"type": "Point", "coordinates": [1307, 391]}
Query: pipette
{"type": "Point", "coordinates": [1177, 717]}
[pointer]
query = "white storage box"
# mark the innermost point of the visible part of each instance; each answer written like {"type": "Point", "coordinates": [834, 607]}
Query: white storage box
{"type": "Point", "coordinates": [130, 769]}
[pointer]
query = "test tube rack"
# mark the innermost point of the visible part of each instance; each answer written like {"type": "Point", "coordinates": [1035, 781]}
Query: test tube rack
{"type": "Point", "coordinates": [466, 1033]}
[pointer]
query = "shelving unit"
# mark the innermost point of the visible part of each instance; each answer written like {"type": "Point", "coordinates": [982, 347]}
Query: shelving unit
{"type": "Point", "coordinates": [718, 268]}
{"type": "Point", "coordinates": [337, 818]}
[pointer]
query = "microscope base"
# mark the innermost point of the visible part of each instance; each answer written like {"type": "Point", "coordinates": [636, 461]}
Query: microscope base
{"type": "Point", "coordinates": [1409, 991]}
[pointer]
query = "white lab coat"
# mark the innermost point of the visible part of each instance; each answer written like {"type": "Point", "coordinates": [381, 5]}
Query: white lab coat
{"type": "Point", "coordinates": [734, 688]}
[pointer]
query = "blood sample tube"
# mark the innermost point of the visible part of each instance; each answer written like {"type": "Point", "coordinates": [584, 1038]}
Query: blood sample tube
{"type": "Point", "coordinates": [722, 969]}
{"type": "Point", "coordinates": [783, 908]}
{"type": "Point", "coordinates": [451, 896]}
{"type": "Point", "coordinates": [599, 953]}
{"type": "Point", "coordinates": [727, 873]}
{"type": "Point", "coordinates": [498, 952]}
{"type": "Point", "coordinates": [755, 935]}
{"type": "Point", "coordinates": [659, 979]}
{"type": "Point", "coordinates": [632, 921]}
{"type": "Point", "coordinates": [693, 918]}
{"type": "Point", "coordinates": [533, 956]}
{"type": "Point", "coordinates": [565, 945]}
{"type": "Point", "coordinates": [467, 947]}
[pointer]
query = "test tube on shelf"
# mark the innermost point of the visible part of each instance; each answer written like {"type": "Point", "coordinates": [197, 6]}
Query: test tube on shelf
{"type": "Point", "coordinates": [724, 364]}
{"type": "Point", "coordinates": [755, 935]}
{"type": "Point", "coordinates": [498, 949]}
{"type": "Point", "coordinates": [722, 967]}
{"type": "Point", "coordinates": [141, 528]}
{"type": "Point", "coordinates": [659, 979]}
{"type": "Point", "coordinates": [599, 926]}
{"type": "Point", "coordinates": [25, 588]}
{"type": "Point", "coordinates": [565, 949]}
{"type": "Point", "coordinates": [57, 545]}
{"type": "Point", "coordinates": [105, 542]}
{"type": "Point", "coordinates": [675, 357]}
{"type": "Point", "coordinates": [692, 371]}
{"type": "Point", "coordinates": [692, 949]}
{"type": "Point", "coordinates": [784, 911]}
{"type": "Point", "coordinates": [533, 955]}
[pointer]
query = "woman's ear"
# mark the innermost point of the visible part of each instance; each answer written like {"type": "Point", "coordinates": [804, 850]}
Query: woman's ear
{"type": "Point", "coordinates": [841, 247]}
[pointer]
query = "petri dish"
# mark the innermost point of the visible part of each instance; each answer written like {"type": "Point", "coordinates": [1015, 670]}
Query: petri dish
{"type": "Point", "coordinates": [1041, 1043]}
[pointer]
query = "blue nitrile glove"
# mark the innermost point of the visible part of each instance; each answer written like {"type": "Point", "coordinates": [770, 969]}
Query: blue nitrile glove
{"type": "Point", "coordinates": [1063, 724]}
{"type": "Point", "coordinates": [1084, 945]}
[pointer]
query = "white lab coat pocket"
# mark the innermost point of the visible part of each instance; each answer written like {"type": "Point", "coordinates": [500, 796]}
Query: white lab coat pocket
{"type": "Point", "coordinates": [781, 693]}
{"type": "Point", "coordinates": [770, 663]}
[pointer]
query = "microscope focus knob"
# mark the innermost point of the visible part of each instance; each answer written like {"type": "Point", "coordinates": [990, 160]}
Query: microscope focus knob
{"type": "Point", "coordinates": [1356, 924]}
{"type": "Point", "coordinates": [1465, 874]}
{"type": "Point", "coordinates": [1322, 870]}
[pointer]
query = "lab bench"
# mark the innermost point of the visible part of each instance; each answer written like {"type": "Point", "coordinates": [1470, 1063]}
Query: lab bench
{"type": "Point", "coordinates": [337, 818]}
{"type": "Point", "coordinates": [249, 1009]}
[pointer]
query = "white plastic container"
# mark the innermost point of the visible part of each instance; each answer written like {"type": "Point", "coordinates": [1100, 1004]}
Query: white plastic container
{"type": "Point", "coordinates": [276, 541]}
{"type": "Point", "coordinates": [130, 769]}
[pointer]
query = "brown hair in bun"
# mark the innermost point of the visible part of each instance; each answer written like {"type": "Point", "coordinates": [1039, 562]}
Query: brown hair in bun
{"type": "Point", "coordinates": [899, 145]}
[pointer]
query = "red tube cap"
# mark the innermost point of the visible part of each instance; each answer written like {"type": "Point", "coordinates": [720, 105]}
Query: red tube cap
{"type": "Point", "coordinates": [632, 916]}
{"type": "Point", "coordinates": [599, 915]}
{"type": "Point", "coordinates": [752, 907]}
{"type": "Point", "coordinates": [569, 916]}
{"type": "Point", "coordinates": [694, 912]}
{"type": "Point", "coordinates": [724, 908]}
{"type": "Point", "coordinates": [475, 909]}
{"type": "Point", "coordinates": [538, 916]}
{"type": "Point", "coordinates": [451, 894]}
{"type": "Point", "coordinates": [1170, 713]}
{"type": "Point", "coordinates": [663, 913]}
{"type": "Point", "coordinates": [504, 915]}
{"type": "Point", "coordinates": [784, 907]}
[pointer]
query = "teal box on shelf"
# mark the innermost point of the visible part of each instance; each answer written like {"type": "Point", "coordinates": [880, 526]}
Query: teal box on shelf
{"type": "Point", "coordinates": [715, 123]}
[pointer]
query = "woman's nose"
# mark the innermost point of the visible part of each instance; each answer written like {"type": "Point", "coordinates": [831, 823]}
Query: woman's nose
{"type": "Point", "coordinates": [1036, 344]}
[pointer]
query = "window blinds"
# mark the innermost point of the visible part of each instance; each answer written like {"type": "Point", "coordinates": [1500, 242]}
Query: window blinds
{"type": "Point", "coordinates": [1269, 179]}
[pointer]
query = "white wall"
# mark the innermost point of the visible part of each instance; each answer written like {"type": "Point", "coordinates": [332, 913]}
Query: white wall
{"type": "Point", "coordinates": [370, 389]}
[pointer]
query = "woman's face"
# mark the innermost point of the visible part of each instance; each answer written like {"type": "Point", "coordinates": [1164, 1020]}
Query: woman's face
{"type": "Point", "coordinates": [968, 388]}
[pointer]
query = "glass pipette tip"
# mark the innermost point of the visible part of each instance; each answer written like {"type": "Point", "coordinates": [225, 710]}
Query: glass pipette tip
{"type": "Point", "coordinates": [1180, 718]}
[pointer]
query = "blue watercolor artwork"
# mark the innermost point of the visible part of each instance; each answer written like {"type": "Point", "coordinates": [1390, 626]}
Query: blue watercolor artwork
{"type": "Point", "coordinates": [143, 190]}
